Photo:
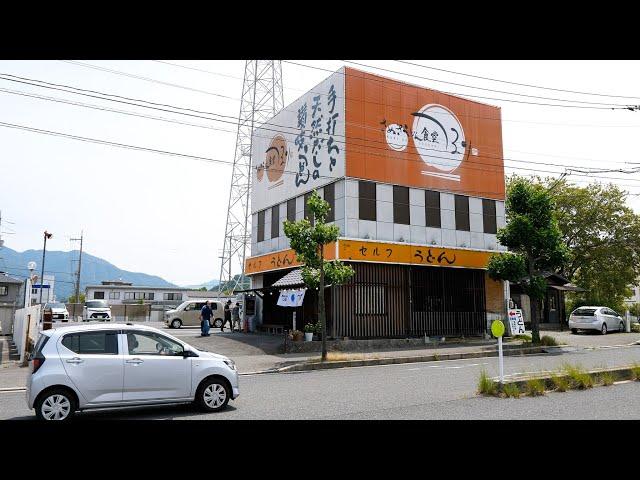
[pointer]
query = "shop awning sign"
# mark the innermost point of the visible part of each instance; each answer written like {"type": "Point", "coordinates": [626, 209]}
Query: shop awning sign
{"type": "Point", "coordinates": [291, 298]}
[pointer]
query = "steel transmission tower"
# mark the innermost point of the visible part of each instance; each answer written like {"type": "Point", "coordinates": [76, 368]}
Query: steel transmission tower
{"type": "Point", "coordinates": [262, 98]}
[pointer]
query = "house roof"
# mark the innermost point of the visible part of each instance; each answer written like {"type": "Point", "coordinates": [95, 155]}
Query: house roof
{"type": "Point", "coordinates": [291, 279]}
{"type": "Point", "coordinates": [6, 278]}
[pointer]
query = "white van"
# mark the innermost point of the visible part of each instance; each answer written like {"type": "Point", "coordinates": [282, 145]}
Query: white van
{"type": "Point", "coordinates": [188, 314]}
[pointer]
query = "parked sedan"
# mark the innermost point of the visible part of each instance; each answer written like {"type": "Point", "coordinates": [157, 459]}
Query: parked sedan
{"type": "Point", "coordinates": [81, 367]}
{"type": "Point", "coordinates": [602, 319]}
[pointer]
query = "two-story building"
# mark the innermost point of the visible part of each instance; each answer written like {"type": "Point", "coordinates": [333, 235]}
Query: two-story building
{"type": "Point", "coordinates": [415, 180]}
{"type": "Point", "coordinates": [10, 299]}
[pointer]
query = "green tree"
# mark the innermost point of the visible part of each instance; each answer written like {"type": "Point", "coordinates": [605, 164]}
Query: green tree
{"type": "Point", "coordinates": [72, 298]}
{"type": "Point", "coordinates": [308, 242]}
{"type": "Point", "coordinates": [602, 236]}
{"type": "Point", "coordinates": [533, 237]}
{"type": "Point", "coordinates": [202, 289]}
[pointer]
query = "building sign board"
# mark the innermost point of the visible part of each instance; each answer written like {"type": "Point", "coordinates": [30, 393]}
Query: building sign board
{"type": "Point", "coordinates": [378, 252]}
{"type": "Point", "coordinates": [516, 322]}
{"type": "Point", "coordinates": [302, 148]}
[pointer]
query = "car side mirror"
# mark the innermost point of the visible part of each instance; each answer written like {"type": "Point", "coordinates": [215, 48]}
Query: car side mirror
{"type": "Point", "coordinates": [189, 353]}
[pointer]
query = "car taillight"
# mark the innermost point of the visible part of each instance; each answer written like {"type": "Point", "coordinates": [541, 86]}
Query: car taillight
{"type": "Point", "coordinates": [37, 363]}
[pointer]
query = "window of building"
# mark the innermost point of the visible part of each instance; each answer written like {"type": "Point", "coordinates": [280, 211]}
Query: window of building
{"type": "Point", "coordinates": [173, 296]}
{"type": "Point", "coordinates": [261, 226]}
{"type": "Point", "coordinates": [98, 295]}
{"type": "Point", "coordinates": [489, 216]}
{"type": "Point", "coordinates": [401, 205]}
{"type": "Point", "coordinates": [367, 200]}
{"type": "Point", "coordinates": [114, 295]}
{"type": "Point", "coordinates": [4, 290]}
{"type": "Point", "coordinates": [432, 208]}
{"type": "Point", "coordinates": [291, 210]}
{"type": "Point", "coordinates": [330, 198]}
{"type": "Point", "coordinates": [128, 296]}
{"type": "Point", "coordinates": [92, 343]}
{"type": "Point", "coordinates": [138, 295]}
{"type": "Point", "coordinates": [462, 213]}
{"type": "Point", "coordinates": [150, 296]}
{"type": "Point", "coordinates": [34, 291]}
{"type": "Point", "coordinates": [307, 213]}
{"type": "Point", "coordinates": [275, 221]}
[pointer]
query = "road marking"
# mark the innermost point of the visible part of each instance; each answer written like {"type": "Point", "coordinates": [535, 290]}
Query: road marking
{"type": "Point", "coordinates": [446, 367]}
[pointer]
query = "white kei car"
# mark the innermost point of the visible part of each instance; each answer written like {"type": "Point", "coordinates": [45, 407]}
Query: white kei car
{"type": "Point", "coordinates": [87, 366]}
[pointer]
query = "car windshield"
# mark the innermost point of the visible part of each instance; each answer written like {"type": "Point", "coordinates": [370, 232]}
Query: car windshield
{"type": "Point", "coordinates": [96, 304]}
{"type": "Point", "coordinates": [55, 305]}
{"type": "Point", "coordinates": [585, 312]}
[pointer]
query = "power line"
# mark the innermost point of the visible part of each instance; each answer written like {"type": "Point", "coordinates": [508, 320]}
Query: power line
{"type": "Point", "coordinates": [516, 83]}
{"type": "Point", "coordinates": [234, 122]}
{"type": "Point", "coordinates": [621, 107]}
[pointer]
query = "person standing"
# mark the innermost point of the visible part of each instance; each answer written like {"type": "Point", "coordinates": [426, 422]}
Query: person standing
{"type": "Point", "coordinates": [205, 317]}
{"type": "Point", "coordinates": [235, 317]}
{"type": "Point", "coordinates": [227, 316]}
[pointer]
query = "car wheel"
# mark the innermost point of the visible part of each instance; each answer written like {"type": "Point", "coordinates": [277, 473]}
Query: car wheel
{"type": "Point", "coordinates": [621, 327]}
{"type": "Point", "coordinates": [603, 330]}
{"type": "Point", "coordinates": [176, 323]}
{"type": "Point", "coordinates": [57, 404]}
{"type": "Point", "coordinates": [217, 323]}
{"type": "Point", "coordinates": [574, 331]}
{"type": "Point", "coordinates": [213, 395]}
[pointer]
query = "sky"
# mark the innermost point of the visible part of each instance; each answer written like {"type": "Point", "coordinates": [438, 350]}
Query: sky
{"type": "Point", "coordinates": [165, 215]}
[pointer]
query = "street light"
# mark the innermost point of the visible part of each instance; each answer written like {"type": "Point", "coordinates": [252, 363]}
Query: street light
{"type": "Point", "coordinates": [47, 235]}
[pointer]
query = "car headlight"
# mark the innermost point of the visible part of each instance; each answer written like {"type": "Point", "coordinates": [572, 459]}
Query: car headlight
{"type": "Point", "coordinates": [230, 363]}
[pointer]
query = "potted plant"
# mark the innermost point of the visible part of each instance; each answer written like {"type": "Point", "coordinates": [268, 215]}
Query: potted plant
{"type": "Point", "coordinates": [297, 335]}
{"type": "Point", "coordinates": [309, 329]}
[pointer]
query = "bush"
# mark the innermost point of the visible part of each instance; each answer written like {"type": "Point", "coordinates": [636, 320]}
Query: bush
{"type": "Point", "coordinates": [548, 341]}
{"type": "Point", "coordinates": [511, 390]}
{"type": "Point", "coordinates": [635, 328]}
{"type": "Point", "coordinates": [524, 338]}
{"type": "Point", "coordinates": [534, 387]}
{"type": "Point", "coordinates": [606, 378]}
{"type": "Point", "coordinates": [578, 377]}
{"type": "Point", "coordinates": [635, 372]}
{"type": "Point", "coordinates": [486, 386]}
{"type": "Point", "coordinates": [561, 383]}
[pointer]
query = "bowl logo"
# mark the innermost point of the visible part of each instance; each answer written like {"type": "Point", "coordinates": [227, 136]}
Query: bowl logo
{"type": "Point", "coordinates": [438, 137]}
{"type": "Point", "coordinates": [275, 161]}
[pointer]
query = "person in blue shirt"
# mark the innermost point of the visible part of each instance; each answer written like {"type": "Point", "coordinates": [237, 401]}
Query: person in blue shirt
{"type": "Point", "coordinates": [205, 317]}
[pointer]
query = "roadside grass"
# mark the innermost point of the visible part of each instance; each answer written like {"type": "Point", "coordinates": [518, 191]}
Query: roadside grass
{"type": "Point", "coordinates": [548, 341]}
{"type": "Point", "coordinates": [578, 377]}
{"type": "Point", "coordinates": [534, 387]}
{"type": "Point", "coordinates": [511, 390]}
{"type": "Point", "coordinates": [606, 378]}
{"type": "Point", "coordinates": [486, 386]}
{"type": "Point", "coordinates": [341, 356]}
{"type": "Point", "coordinates": [436, 357]}
{"type": "Point", "coordinates": [635, 372]}
{"type": "Point", "coordinates": [561, 383]}
{"type": "Point", "coordinates": [525, 338]}
{"type": "Point", "coordinates": [635, 327]}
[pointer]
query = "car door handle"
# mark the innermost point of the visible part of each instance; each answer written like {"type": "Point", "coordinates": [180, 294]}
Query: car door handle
{"type": "Point", "coordinates": [75, 360]}
{"type": "Point", "coordinates": [135, 361]}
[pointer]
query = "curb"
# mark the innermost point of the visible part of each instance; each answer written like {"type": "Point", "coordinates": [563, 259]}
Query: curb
{"type": "Point", "coordinates": [399, 360]}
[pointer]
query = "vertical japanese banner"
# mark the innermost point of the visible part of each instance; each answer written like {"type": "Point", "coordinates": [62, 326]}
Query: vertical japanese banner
{"type": "Point", "coordinates": [302, 148]}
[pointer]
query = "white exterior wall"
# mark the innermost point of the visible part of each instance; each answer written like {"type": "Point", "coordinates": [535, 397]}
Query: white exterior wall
{"type": "Point", "coordinates": [47, 293]}
{"type": "Point", "coordinates": [157, 297]}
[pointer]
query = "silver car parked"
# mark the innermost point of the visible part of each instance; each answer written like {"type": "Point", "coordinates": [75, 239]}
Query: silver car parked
{"type": "Point", "coordinates": [84, 366]}
{"type": "Point", "coordinates": [602, 319]}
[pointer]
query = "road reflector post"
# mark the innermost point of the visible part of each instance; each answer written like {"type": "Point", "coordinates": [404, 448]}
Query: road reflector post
{"type": "Point", "coordinates": [497, 329]}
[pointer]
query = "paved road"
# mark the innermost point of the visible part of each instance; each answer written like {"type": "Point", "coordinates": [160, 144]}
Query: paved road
{"type": "Point", "coordinates": [442, 390]}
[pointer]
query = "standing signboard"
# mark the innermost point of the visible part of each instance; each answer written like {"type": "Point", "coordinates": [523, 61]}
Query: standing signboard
{"type": "Point", "coordinates": [516, 321]}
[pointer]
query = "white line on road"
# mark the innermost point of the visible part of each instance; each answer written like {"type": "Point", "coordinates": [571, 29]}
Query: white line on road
{"type": "Point", "coordinates": [445, 367]}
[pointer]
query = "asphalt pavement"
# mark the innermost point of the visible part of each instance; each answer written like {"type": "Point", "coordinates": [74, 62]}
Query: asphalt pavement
{"type": "Point", "coordinates": [434, 390]}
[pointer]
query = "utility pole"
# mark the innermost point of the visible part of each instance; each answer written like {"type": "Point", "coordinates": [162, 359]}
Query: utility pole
{"type": "Point", "coordinates": [79, 267]}
{"type": "Point", "coordinates": [44, 251]}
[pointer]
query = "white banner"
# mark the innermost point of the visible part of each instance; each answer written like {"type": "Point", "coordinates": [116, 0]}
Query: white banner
{"type": "Point", "coordinates": [516, 321]}
{"type": "Point", "coordinates": [291, 298]}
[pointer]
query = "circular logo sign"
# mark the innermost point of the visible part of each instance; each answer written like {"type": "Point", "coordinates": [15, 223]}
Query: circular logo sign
{"type": "Point", "coordinates": [276, 158]}
{"type": "Point", "coordinates": [497, 328]}
{"type": "Point", "coordinates": [397, 137]}
{"type": "Point", "coordinates": [438, 137]}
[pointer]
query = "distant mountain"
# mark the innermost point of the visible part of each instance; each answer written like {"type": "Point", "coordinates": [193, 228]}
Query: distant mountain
{"type": "Point", "coordinates": [209, 285]}
{"type": "Point", "coordinates": [64, 265]}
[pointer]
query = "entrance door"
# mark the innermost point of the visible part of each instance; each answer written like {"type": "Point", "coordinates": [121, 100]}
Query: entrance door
{"type": "Point", "coordinates": [553, 307]}
{"type": "Point", "coordinates": [154, 368]}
